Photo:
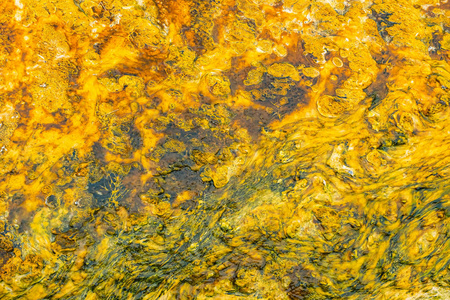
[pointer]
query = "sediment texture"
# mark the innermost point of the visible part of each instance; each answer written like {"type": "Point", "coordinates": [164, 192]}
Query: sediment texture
{"type": "Point", "coordinates": [226, 149]}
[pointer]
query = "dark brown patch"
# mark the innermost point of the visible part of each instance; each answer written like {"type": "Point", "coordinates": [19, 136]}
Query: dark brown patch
{"type": "Point", "coordinates": [301, 280]}
{"type": "Point", "coordinates": [182, 180]}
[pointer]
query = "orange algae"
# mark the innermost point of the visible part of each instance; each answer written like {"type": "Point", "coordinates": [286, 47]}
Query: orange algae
{"type": "Point", "coordinates": [224, 149]}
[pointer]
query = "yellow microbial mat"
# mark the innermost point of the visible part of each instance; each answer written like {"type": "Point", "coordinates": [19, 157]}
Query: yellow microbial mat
{"type": "Point", "coordinates": [224, 149]}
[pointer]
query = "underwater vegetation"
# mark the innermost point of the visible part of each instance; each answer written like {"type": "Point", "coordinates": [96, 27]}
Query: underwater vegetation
{"type": "Point", "coordinates": [224, 149]}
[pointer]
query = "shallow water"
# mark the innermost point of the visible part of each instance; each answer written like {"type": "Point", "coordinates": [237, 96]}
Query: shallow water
{"type": "Point", "coordinates": [227, 149]}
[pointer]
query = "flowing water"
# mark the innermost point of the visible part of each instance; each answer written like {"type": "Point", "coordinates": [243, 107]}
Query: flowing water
{"type": "Point", "coordinates": [224, 149]}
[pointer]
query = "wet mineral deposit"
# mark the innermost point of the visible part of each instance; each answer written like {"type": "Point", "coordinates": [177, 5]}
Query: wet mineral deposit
{"type": "Point", "coordinates": [224, 149]}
